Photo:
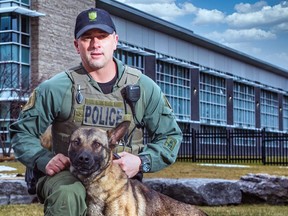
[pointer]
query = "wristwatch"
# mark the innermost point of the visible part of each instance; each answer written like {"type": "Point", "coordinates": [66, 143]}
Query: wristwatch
{"type": "Point", "coordinates": [145, 165]}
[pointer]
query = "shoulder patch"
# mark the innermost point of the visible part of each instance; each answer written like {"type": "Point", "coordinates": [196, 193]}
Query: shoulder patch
{"type": "Point", "coordinates": [167, 102]}
{"type": "Point", "coordinates": [31, 102]}
{"type": "Point", "coordinates": [170, 143]}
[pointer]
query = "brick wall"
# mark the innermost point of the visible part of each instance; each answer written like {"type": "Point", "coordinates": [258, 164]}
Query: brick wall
{"type": "Point", "coordinates": [52, 35]}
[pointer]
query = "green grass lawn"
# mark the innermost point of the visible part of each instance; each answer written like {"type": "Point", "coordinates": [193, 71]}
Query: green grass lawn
{"type": "Point", "coordinates": [242, 210]}
{"type": "Point", "coordinates": [21, 210]}
{"type": "Point", "coordinates": [182, 170]}
{"type": "Point", "coordinates": [192, 170]}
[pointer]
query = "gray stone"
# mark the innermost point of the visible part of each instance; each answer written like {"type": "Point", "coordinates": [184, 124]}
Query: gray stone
{"type": "Point", "coordinates": [4, 200]}
{"type": "Point", "coordinates": [264, 188]}
{"type": "Point", "coordinates": [14, 191]}
{"type": "Point", "coordinates": [252, 189]}
{"type": "Point", "coordinates": [198, 191]}
{"type": "Point", "coordinates": [13, 186]}
{"type": "Point", "coordinates": [23, 199]}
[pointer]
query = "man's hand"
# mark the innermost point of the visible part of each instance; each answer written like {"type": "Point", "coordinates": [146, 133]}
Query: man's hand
{"type": "Point", "coordinates": [58, 163]}
{"type": "Point", "coordinates": [129, 163]}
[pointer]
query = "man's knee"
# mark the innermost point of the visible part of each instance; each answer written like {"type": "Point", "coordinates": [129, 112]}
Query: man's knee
{"type": "Point", "coordinates": [73, 191]}
{"type": "Point", "coordinates": [66, 200]}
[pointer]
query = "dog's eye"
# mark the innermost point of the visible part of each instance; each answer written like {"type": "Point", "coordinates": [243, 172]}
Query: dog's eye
{"type": "Point", "coordinates": [76, 142]}
{"type": "Point", "coordinates": [95, 144]}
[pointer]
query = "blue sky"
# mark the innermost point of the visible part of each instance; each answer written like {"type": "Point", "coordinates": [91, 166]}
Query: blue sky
{"type": "Point", "coordinates": [256, 28]}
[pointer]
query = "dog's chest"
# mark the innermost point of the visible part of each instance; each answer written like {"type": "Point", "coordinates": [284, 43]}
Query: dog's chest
{"type": "Point", "coordinates": [114, 199]}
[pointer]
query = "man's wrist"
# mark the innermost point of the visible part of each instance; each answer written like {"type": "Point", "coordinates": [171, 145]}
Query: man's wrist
{"type": "Point", "coordinates": [145, 165]}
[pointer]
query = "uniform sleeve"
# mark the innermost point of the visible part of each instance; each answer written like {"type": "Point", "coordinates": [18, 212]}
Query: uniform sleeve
{"type": "Point", "coordinates": [44, 106]}
{"type": "Point", "coordinates": [161, 125]}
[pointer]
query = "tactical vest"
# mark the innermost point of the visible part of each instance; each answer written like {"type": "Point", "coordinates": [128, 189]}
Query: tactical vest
{"type": "Point", "coordinates": [91, 108]}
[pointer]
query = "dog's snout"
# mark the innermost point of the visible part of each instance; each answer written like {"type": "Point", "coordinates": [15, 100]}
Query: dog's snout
{"type": "Point", "coordinates": [84, 157]}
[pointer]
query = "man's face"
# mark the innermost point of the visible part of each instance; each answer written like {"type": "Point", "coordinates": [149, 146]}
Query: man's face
{"type": "Point", "coordinates": [96, 49]}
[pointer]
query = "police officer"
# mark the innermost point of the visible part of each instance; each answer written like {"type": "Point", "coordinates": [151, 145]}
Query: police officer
{"type": "Point", "coordinates": [101, 91]}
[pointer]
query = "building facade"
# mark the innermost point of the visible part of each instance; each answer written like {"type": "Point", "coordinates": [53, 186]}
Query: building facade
{"type": "Point", "coordinates": [209, 86]}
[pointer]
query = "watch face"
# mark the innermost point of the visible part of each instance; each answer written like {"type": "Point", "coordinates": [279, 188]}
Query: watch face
{"type": "Point", "coordinates": [145, 163]}
{"type": "Point", "coordinates": [146, 167]}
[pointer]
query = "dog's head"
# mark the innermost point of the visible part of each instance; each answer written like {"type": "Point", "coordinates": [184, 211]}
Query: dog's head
{"type": "Point", "coordinates": [90, 149]}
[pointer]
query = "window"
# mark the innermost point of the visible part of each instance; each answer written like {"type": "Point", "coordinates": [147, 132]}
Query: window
{"type": "Point", "coordinates": [244, 105]}
{"type": "Point", "coordinates": [10, 3]}
{"type": "Point", "coordinates": [9, 53]}
{"type": "Point", "coordinates": [9, 75]}
{"type": "Point", "coordinates": [27, 2]}
{"type": "Point", "coordinates": [285, 112]}
{"type": "Point", "coordinates": [174, 81]}
{"type": "Point", "coordinates": [131, 59]}
{"type": "Point", "coordinates": [269, 110]}
{"type": "Point", "coordinates": [25, 55]}
{"type": "Point", "coordinates": [4, 110]}
{"type": "Point", "coordinates": [14, 47]}
{"type": "Point", "coordinates": [25, 24]}
{"type": "Point", "coordinates": [14, 63]}
{"type": "Point", "coordinates": [213, 108]}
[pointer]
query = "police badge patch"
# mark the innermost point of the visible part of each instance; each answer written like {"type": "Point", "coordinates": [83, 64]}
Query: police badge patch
{"type": "Point", "coordinates": [31, 102]}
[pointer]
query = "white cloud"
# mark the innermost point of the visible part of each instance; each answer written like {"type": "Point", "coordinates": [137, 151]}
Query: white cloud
{"type": "Point", "coordinates": [266, 15]}
{"type": "Point", "coordinates": [246, 15]}
{"type": "Point", "coordinates": [188, 8]}
{"type": "Point", "coordinates": [247, 8]}
{"type": "Point", "coordinates": [170, 10]}
{"type": "Point", "coordinates": [281, 27]}
{"type": "Point", "coordinates": [232, 35]}
{"type": "Point", "coordinates": [165, 9]}
{"type": "Point", "coordinates": [204, 16]}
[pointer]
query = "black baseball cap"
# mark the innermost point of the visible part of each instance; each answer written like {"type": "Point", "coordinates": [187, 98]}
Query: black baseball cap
{"type": "Point", "coordinates": [93, 18]}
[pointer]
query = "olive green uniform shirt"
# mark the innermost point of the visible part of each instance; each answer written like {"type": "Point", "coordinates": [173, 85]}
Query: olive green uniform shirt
{"type": "Point", "coordinates": [52, 100]}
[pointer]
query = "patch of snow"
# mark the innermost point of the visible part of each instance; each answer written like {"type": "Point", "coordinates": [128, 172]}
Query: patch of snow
{"type": "Point", "coordinates": [3, 175]}
{"type": "Point", "coordinates": [6, 168]}
{"type": "Point", "coordinates": [225, 165]}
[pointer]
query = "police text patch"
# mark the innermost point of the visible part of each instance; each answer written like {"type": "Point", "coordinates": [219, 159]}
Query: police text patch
{"type": "Point", "coordinates": [101, 115]}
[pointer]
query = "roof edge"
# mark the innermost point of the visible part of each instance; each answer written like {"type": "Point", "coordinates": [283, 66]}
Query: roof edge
{"type": "Point", "coordinates": [132, 14]}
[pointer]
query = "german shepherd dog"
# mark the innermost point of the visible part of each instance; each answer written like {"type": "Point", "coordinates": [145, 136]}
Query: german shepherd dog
{"type": "Point", "coordinates": [109, 191]}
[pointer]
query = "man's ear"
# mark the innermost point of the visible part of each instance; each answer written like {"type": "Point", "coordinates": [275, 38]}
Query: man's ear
{"type": "Point", "coordinates": [115, 41]}
{"type": "Point", "coordinates": [117, 133]}
{"type": "Point", "coordinates": [76, 46]}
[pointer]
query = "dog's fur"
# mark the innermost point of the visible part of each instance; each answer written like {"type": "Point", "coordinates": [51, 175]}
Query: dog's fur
{"type": "Point", "coordinates": [46, 138]}
{"type": "Point", "coordinates": [109, 190]}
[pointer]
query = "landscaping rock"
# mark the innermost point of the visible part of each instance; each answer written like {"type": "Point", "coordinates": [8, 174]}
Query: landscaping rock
{"type": "Point", "coordinates": [250, 189]}
{"type": "Point", "coordinates": [14, 191]}
{"type": "Point", "coordinates": [209, 192]}
{"type": "Point", "coordinates": [264, 188]}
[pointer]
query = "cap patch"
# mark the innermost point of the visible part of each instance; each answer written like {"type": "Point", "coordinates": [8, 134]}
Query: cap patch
{"type": "Point", "coordinates": [92, 16]}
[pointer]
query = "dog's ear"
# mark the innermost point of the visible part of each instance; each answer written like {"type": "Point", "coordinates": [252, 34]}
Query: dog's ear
{"type": "Point", "coordinates": [115, 134]}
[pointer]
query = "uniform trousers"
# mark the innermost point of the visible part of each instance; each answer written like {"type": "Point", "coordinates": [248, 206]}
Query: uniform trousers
{"type": "Point", "coordinates": [62, 195]}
